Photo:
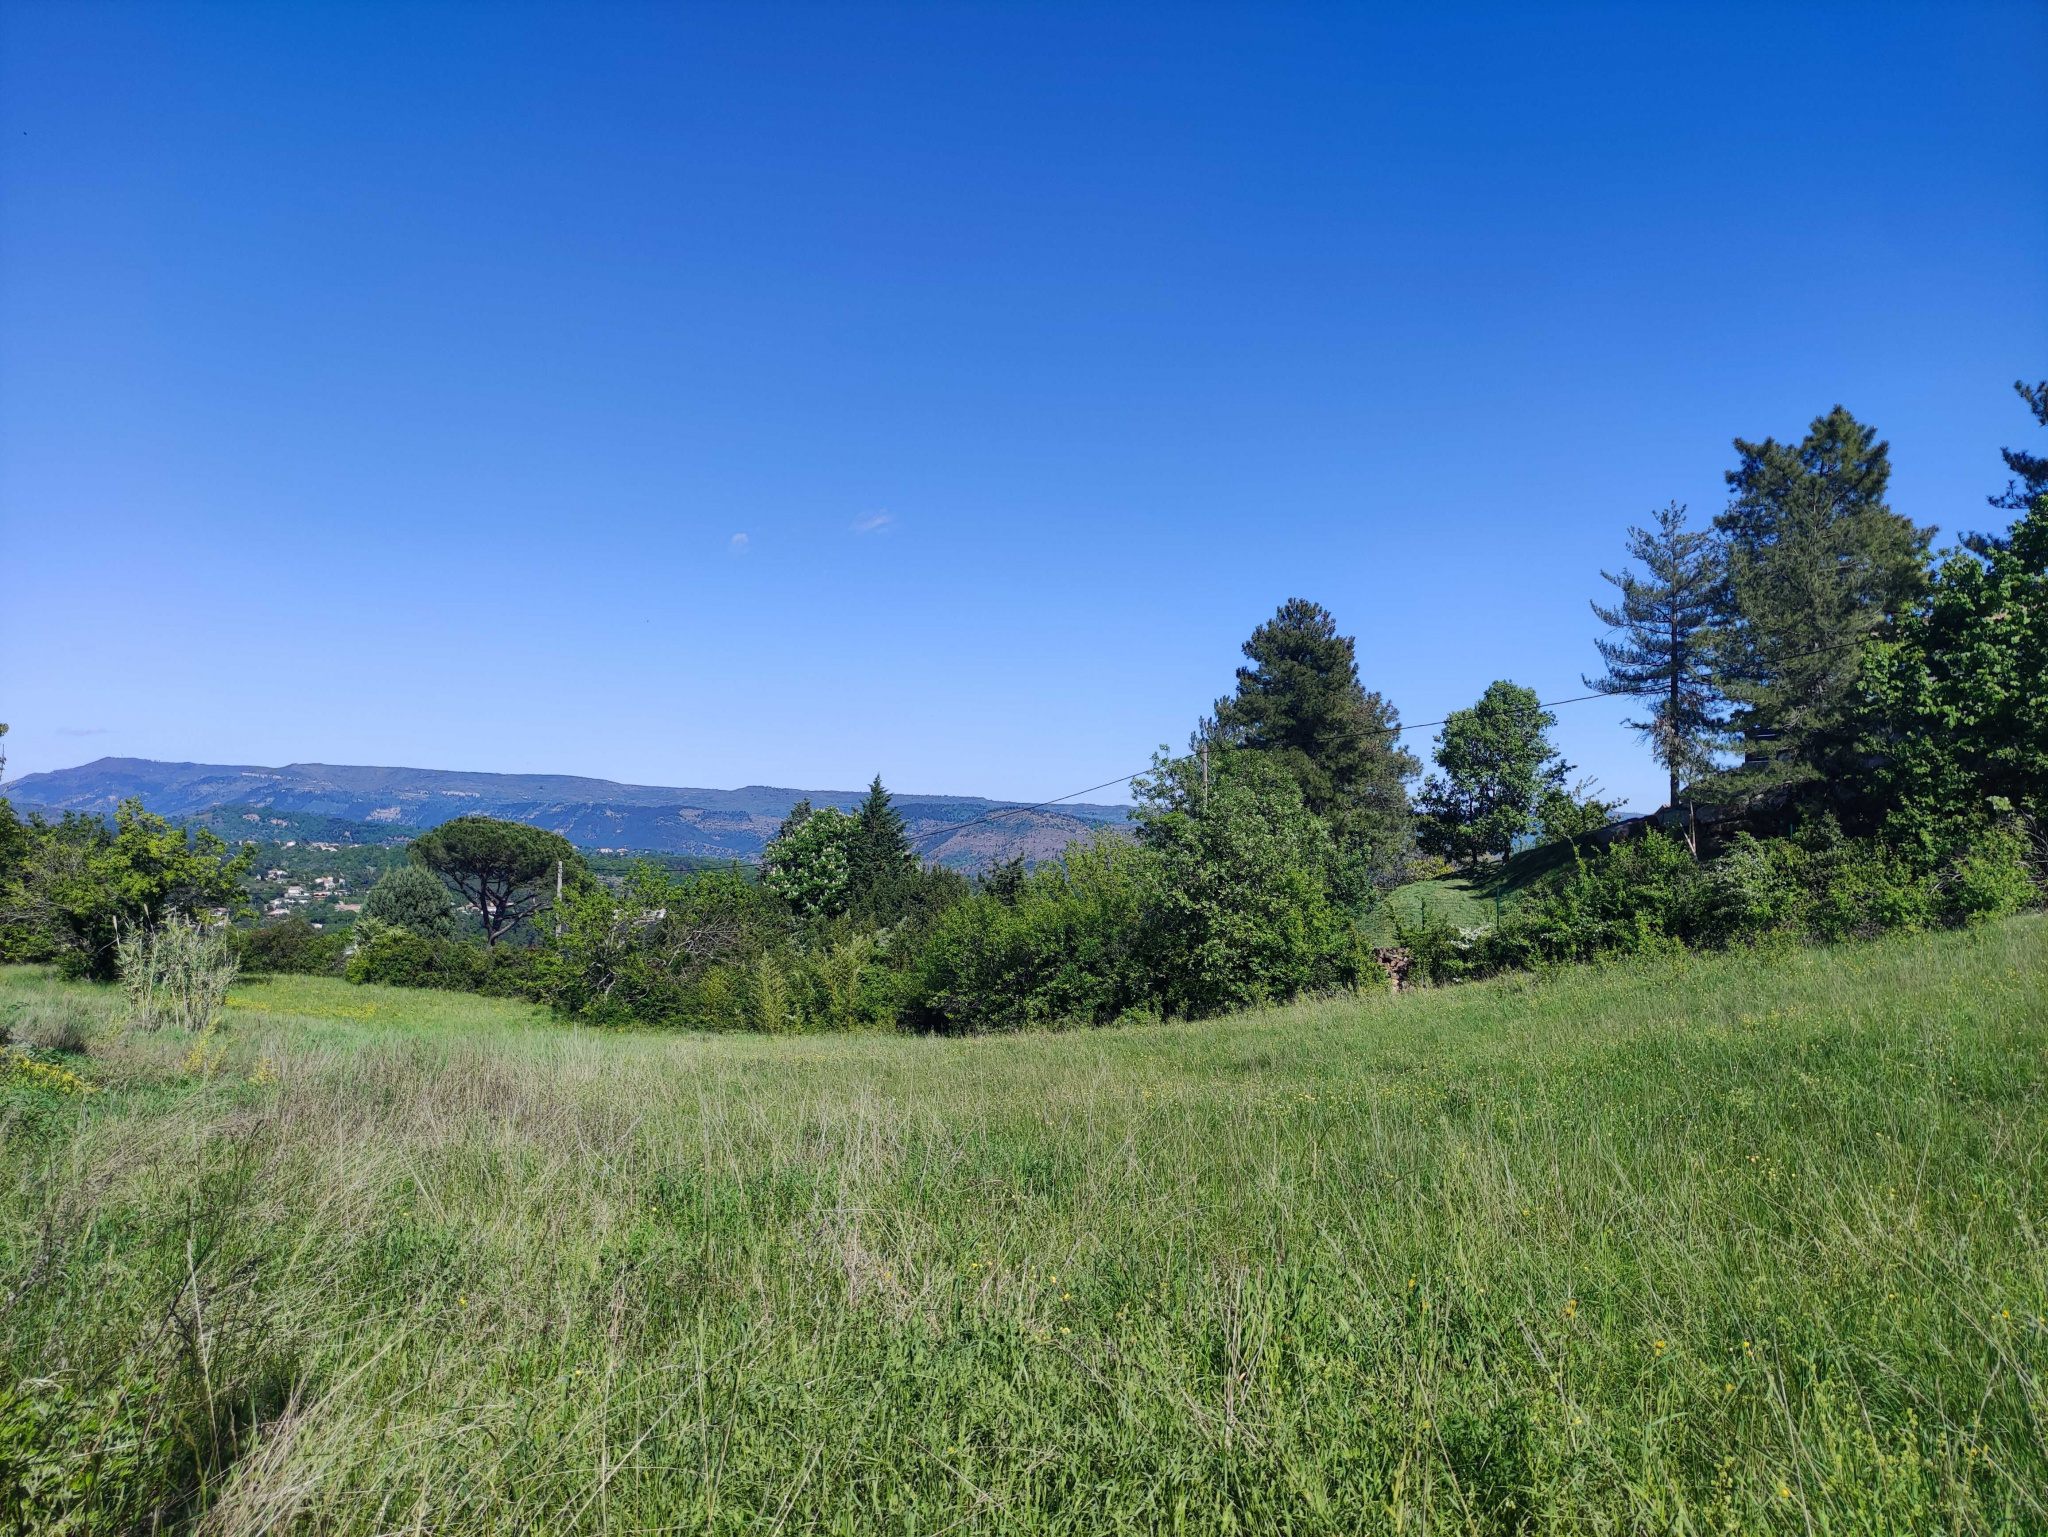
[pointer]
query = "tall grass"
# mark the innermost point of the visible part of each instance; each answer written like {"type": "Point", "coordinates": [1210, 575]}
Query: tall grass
{"type": "Point", "coordinates": [1748, 1243]}
{"type": "Point", "coordinates": [177, 974]}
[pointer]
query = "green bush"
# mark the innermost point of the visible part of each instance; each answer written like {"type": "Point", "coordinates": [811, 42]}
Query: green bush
{"type": "Point", "coordinates": [1818, 885]}
{"type": "Point", "coordinates": [291, 947]}
{"type": "Point", "coordinates": [1067, 946]}
{"type": "Point", "coordinates": [1238, 909]}
{"type": "Point", "coordinates": [1991, 879]}
{"type": "Point", "coordinates": [1224, 901]}
{"type": "Point", "coordinates": [663, 949]}
{"type": "Point", "coordinates": [411, 897]}
{"type": "Point", "coordinates": [396, 958]}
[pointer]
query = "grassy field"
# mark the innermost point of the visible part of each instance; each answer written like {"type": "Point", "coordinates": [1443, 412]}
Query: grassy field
{"type": "Point", "coordinates": [1466, 900]}
{"type": "Point", "coordinates": [1751, 1243]}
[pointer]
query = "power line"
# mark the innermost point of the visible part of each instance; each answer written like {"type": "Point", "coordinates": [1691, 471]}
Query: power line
{"type": "Point", "coordinates": [1123, 778]}
{"type": "Point", "coordinates": [1420, 725]}
{"type": "Point", "coordinates": [1003, 811]}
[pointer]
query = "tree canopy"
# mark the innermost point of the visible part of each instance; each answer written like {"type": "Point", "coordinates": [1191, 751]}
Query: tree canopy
{"type": "Point", "coordinates": [1817, 563]}
{"type": "Point", "coordinates": [1954, 718]}
{"type": "Point", "coordinates": [1497, 765]}
{"type": "Point", "coordinates": [879, 856]}
{"type": "Point", "coordinates": [507, 870]}
{"type": "Point", "coordinates": [76, 886]}
{"type": "Point", "coordinates": [810, 863]}
{"type": "Point", "coordinates": [411, 897]}
{"type": "Point", "coordinates": [1301, 704]}
{"type": "Point", "coordinates": [1237, 899]}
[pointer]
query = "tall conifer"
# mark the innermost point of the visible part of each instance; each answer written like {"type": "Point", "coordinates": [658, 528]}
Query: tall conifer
{"type": "Point", "coordinates": [1665, 650]}
{"type": "Point", "coordinates": [1817, 563]}
{"type": "Point", "coordinates": [1302, 703]}
{"type": "Point", "coordinates": [881, 854]}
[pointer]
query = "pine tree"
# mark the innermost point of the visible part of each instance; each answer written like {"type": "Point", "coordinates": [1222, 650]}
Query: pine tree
{"type": "Point", "coordinates": [1817, 563]}
{"type": "Point", "coordinates": [1664, 652]}
{"type": "Point", "coordinates": [881, 855]}
{"type": "Point", "coordinates": [799, 814]}
{"type": "Point", "coordinates": [2029, 471]}
{"type": "Point", "coordinates": [1302, 703]}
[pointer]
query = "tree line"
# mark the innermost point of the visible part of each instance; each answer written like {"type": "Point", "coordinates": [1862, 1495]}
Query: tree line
{"type": "Point", "coordinates": [1877, 716]}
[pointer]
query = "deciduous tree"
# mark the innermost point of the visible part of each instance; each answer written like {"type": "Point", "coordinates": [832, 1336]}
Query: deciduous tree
{"type": "Point", "coordinates": [1955, 705]}
{"type": "Point", "coordinates": [81, 883]}
{"type": "Point", "coordinates": [1497, 764]}
{"type": "Point", "coordinates": [1238, 910]}
{"type": "Point", "coordinates": [810, 863]}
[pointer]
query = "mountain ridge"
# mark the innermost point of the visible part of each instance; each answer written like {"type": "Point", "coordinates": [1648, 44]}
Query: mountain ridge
{"type": "Point", "coordinates": [592, 813]}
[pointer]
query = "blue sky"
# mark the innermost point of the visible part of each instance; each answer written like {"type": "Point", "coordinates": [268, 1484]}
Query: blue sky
{"type": "Point", "coordinates": [759, 394]}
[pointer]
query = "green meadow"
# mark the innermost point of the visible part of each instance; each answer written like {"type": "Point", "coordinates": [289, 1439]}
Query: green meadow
{"type": "Point", "coordinates": [1742, 1243]}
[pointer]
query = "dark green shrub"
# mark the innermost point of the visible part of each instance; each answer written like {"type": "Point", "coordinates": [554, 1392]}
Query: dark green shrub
{"type": "Point", "coordinates": [411, 897]}
{"type": "Point", "coordinates": [1066, 947]}
{"type": "Point", "coordinates": [1990, 879]}
{"type": "Point", "coordinates": [398, 959]}
{"type": "Point", "coordinates": [1817, 885]}
{"type": "Point", "coordinates": [290, 947]}
{"type": "Point", "coordinates": [1237, 901]}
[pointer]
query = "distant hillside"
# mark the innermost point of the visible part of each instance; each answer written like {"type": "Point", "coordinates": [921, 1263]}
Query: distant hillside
{"type": "Point", "coordinates": [591, 813]}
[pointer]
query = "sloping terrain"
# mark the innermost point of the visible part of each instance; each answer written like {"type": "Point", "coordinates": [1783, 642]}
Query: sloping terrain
{"type": "Point", "coordinates": [1738, 1243]}
{"type": "Point", "coordinates": [592, 813]}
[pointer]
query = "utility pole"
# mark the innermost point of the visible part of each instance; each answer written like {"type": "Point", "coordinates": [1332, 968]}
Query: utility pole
{"type": "Point", "coordinates": [558, 899]}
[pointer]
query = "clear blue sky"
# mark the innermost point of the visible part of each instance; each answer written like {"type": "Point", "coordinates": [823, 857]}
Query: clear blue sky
{"type": "Point", "coordinates": [713, 395]}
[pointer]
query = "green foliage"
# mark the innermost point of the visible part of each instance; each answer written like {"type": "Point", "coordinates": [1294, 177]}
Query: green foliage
{"type": "Point", "coordinates": [810, 863]}
{"type": "Point", "coordinates": [1664, 653]}
{"type": "Point", "coordinates": [77, 885]}
{"type": "Point", "coordinates": [25, 934]}
{"type": "Point", "coordinates": [412, 897]}
{"type": "Point", "coordinates": [1563, 814]}
{"type": "Point", "coordinates": [507, 870]}
{"type": "Point", "coordinates": [1954, 709]}
{"type": "Point", "coordinates": [1817, 563]}
{"type": "Point", "coordinates": [2029, 471]}
{"type": "Point", "coordinates": [881, 866]}
{"type": "Point", "coordinates": [1997, 874]}
{"type": "Point", "coordinates": [712, 951]}
{"type": "Point", "coordinates": [639, 951]}
{"type": "Point", "coordinates": [1497, 765]}
{"type": "Point", "coordinates": [290, 946]}
{"type": "Point", "coordinates": [81, 1458]}
{"type": "Point", "coordinates": [1302, 704]}
{"type": "Point", "coordinates": [397, 958]}
{"type": "Point", "coordinates": [1004, 881]}
{"type": "Point", "coordinates": [1062, 945]}
{"type": "Point", "coordinates": [1223, 901]}
{"type": "Point", "coordinates": [1649, 895]}
{"type": "Point", "coordinates": [1238, 910]}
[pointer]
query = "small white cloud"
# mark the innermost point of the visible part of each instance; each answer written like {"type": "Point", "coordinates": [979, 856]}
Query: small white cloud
{"type": "Point", "coordinates": [83, 730]}
{"type": "Point", "coordinates": [876, 523]}
{"type": "Point", "coordinates": [738, 545]}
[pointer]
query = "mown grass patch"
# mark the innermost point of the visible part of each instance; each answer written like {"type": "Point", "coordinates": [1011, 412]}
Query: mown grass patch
{"type": "Point", "coordinates": [1746, 1243]}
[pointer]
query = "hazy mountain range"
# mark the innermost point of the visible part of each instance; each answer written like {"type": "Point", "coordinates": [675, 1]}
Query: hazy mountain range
{"type": "Point", "coordinates": [591, 813]}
